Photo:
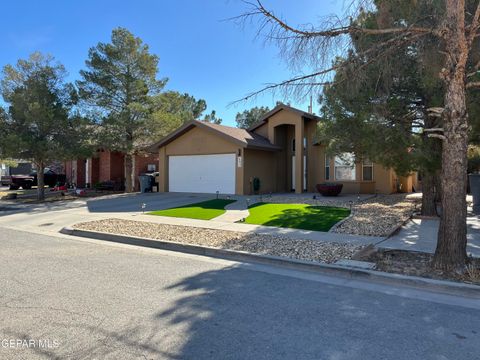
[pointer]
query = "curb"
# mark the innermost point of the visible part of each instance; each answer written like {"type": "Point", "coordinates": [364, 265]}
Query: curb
{"type": "Point", "coordinates": [337, 225]}
{"type": "Point", "coordinates": [433, 285]}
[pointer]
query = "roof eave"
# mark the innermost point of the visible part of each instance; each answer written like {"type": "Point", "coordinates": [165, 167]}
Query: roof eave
{"type": "Point", "coordinates": [264, 148]}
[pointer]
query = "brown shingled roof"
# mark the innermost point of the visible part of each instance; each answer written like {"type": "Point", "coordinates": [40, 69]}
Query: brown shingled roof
{"type": "Point", "coordinates": [242, 137]}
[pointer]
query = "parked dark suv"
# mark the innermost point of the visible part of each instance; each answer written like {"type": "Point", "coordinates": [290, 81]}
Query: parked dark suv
{"type": "Point", "coordinates": [51, 179]}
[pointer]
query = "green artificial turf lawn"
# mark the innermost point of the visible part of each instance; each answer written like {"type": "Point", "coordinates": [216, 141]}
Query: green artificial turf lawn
{"type": "Point", "coordinates": [205, 210]}
{"type": "Point", "coordinates": [296, 216]}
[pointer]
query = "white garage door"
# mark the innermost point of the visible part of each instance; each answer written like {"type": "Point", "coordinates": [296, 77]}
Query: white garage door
{"type": "Point", "coordinates": [202, 173]}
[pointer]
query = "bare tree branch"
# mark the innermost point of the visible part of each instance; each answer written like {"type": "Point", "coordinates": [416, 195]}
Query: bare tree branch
{"type": "Point", "coordinates": [438, 136]}
{"type": "Point", "coordinates": [342, 30]}
{"type": "Point", "coordinates": [474, 26]}
{"type": "Point", "coordinates": [473, 84]}
{"type": "Point", "coordinates": [378, 51]}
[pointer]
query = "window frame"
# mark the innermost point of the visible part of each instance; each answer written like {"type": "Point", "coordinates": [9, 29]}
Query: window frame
{"type": "Point", "coordinates": [353, 168]}
{"type": "Point", "coordinates": [327, 166]}
{"type": "Point", "coordinates": [370, 165]}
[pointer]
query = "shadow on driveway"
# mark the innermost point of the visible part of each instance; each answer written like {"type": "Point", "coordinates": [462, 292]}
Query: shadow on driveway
{"type": "Point", "coordinates": [110, 203]}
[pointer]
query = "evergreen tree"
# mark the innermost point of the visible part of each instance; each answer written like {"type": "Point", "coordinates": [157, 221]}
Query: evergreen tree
{"type": "Point", "coordinates": [120, 80]}
{"type": "Point", "coordinates": [247, 118]}
{"type": "Point", "coordinates": [40, 124]}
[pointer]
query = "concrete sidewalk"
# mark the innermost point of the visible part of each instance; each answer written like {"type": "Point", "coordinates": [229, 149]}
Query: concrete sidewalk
{"type": "Point", "coordinates": [50, 219]}
{"type": "Point", "coordinates": [53, 221]}
{"type": "Point", "coordinates": [421, 235]}
{"type": "Point", "coordinates": [269, 230]}
{"type": "Point", "coordinates": [234, 212]}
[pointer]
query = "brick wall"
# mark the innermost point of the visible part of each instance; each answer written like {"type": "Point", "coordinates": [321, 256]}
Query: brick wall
{"type": "Point", "coordinates": [81, 166]}
{"type": "Point", "coordinates": [117, 170]}
{"type": "Point", "coordinates": [141, 166]}
{"type": "Point", "coordinates": [104, 165]}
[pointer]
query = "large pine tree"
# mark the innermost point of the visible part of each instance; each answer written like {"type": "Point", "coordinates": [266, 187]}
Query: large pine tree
{"type": "Point", "coordinates": [119, 82]}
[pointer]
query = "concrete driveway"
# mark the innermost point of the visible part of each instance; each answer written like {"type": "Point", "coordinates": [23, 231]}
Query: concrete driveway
{"type": "Point", "coordinates": [51, 217]}
{"type": "Point", "coordinates": [153, 201]}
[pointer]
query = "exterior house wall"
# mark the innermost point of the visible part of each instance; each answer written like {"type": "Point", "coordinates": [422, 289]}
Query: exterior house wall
{"type": "Point", "coordinates": [81, 163]}
{"type": "Point", "coordinates": [199, 142]}
{"type": "Point", "coordinates": [93, 165]}
{"type": "Point", "coordinates": [301, 130]}
{"type": "Point", "coordinates": [274, 169]}
{"type": "Point", "coordinates": [141, 166]}
{"type": "Point", "coordinates": [383, 179]}
{"type": "Point", "coordinates": [117, 169]}
{"type": "Point", "coordinates": [104, 165]}
{"type": "Point", "coordinates": [111, 166]}
{"type": "Point", "coordinates": [262, 130]}
{"type": "Point", "coordinates": [108, 166]}
{"type": "Point", "coordinates": [75, 172]}
{"type": "Point", "coordinates": [260, 164]}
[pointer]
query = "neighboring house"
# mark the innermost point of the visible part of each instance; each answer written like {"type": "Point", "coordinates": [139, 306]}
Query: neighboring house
{"type": "Point", "coordinates": [107, 166]}
{"type": "Point", "coordinates": [280, 150]}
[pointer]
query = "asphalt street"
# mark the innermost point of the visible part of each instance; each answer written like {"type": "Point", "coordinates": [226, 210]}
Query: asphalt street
{"type": "Point", "coordinates": [65, 298]}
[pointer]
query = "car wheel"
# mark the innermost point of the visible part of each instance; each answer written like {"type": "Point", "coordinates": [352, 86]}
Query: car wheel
{"type": "Point", "coordinates": [26, 186]}
{"type": "Point", "coordinates": [14, 187]}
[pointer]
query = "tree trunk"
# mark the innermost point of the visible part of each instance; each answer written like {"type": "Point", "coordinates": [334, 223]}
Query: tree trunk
{"type": "Point", "coordinates": [429, 207]}
{"type": "Point", "coordinates": [128, 163]}
{"type": "Point", "coordinates": [40, 181]}
{"type": "Point", "coordinates": [450, 254]}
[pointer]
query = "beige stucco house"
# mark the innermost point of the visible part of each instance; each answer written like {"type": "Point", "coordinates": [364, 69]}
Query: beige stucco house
{"type": "Point", "coordinates": [280, 150]}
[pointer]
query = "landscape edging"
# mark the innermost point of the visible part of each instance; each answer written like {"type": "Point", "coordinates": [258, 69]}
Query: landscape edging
{"type": "Point", "coordinates": [442, 286]}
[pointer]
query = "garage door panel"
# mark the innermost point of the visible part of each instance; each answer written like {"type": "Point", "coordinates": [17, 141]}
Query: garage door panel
{"type": "Point", "coordinates": [202, 173]}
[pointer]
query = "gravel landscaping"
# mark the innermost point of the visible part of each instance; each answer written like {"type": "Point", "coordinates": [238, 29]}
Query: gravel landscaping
{"type": "Point", "coordinates": [371, 215]}
{"type": "Point", "coordinates": [378, 216]}
{"type": "Point", "coordinates": [249, 242]}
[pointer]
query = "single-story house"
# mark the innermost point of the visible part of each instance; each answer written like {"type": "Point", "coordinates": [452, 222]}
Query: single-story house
{"type": "Point", "coordinates": [107, 166]}
{"type": "Point", "coordinates": [280, 150]}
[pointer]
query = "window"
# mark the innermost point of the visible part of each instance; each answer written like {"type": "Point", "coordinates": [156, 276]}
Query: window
{"type": "Point", "coordinates": [367, 170]}
{"type": "Point", "coordinates": [345, 167]}
{"type": "Point", "coordinates": [327, 167]}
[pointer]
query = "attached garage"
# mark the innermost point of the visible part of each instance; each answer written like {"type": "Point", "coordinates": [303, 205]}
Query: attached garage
{"type": "Point", "coordinates": [202, 173]}
{"type": "Point", "coordinates": [201, 157]}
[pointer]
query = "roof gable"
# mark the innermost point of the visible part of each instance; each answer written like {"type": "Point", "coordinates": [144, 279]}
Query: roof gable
{"type": "Point", "coordinates": [280, 107]}
{"type": "Point", "coordinates": [241, 137]}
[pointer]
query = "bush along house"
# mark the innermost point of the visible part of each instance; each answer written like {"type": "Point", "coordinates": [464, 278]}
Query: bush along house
{"type": "Point", "coordinates": [106, 170]}
{"type": "Point", "coordinates": [277, 155]}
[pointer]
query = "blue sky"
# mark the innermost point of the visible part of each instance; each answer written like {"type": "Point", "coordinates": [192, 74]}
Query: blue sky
{"type": "Point", "coordinates": [199, 52]}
